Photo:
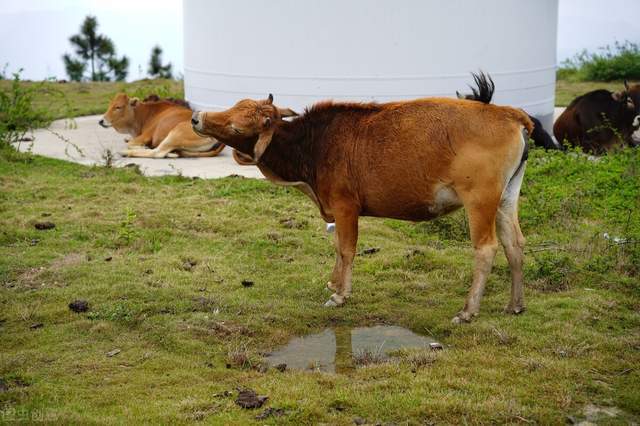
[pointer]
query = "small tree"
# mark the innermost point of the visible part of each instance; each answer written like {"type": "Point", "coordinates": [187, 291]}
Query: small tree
{"type": "Point", "coordinates": [98, 52]}
{"type": "Point", "coordinates": [156, 69]}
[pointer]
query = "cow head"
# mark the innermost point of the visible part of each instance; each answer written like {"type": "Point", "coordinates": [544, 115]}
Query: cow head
{"type": "Point", "coordinates": [630, 97]}
{"type": "Point", "coordinates": [248, 126]}
{"type": "Point", "coordinates": [120, 115]}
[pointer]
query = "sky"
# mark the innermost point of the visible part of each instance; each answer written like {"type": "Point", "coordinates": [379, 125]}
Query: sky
{"type": "Point", "coordinates": [34, 33]}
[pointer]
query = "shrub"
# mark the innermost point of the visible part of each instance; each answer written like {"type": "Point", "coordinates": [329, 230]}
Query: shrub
{"type": "Point", "coordinates": [622, 61]}
{"type": "Point", "coordinates": [17, 113]}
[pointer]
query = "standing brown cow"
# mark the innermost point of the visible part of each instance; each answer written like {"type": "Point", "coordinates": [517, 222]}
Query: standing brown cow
{"type": "Point", "coordinates": [414, 160]}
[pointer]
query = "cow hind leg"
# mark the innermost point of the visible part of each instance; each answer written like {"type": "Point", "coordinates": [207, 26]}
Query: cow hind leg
{"type": "Point", "coordinates": [482, 224]}
{"type": "Point", "coordinates": [512, 240]}
{"type": "Point", "coordinates": [346, 240]}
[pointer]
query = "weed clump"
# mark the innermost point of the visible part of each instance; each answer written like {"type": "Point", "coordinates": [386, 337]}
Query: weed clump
{"type": "Point", "coordinates": [622, 61]}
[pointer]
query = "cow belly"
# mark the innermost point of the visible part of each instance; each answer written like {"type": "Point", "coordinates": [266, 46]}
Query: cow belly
{"type": "Point", "coordinates": [403, 205]}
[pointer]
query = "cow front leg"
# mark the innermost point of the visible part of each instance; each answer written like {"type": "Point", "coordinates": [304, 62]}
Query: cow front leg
{"type": "Point", "coordinates": [334, 283]}
{"type": "Point", "coordinates": [346, 240]}
{"type": "Point", "coordinates": [140, 141]}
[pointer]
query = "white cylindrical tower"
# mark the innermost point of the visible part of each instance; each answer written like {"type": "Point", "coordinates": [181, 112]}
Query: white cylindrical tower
{"type": "Point", "coordinates": [369, 50]}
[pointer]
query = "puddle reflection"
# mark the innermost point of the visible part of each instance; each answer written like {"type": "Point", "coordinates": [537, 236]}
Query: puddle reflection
{"type": "Point", "coordinates": [332, 350]}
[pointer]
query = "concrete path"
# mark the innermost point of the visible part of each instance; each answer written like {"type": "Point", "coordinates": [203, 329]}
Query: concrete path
{"type": "Point", "coordinates": [83, 141]}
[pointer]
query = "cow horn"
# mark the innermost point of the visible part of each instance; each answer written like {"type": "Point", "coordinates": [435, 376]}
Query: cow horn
{"type": "Point", "coordinates": [626, 85]}
{"type": "Point", "coordinates": [270, 99]}
{"type": "Point", "coordinates": [263, 143]}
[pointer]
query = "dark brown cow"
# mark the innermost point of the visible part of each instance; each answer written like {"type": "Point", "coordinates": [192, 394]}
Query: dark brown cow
{"type": "Point", "coordinates": [600, 121]}
{"type": "Point", "coordinates": [414, 160]}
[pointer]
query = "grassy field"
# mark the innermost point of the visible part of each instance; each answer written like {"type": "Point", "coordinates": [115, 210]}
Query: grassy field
{"type": "Point", "coordinates": [73, 99]}
{"type": "Point", "coordinates": [76, 99]}
{"type": "Point", "coordinates": [567, 90]}
{"type": "Point", "coordinates": [161, 260]}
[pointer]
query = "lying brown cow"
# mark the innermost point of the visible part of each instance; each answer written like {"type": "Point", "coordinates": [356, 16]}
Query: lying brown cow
{"type": "Point", "coordinates": [414, 160]}
{"type": "Point", "coordinates": [600, 121]}
{"type": "Point", "coordinates": [161, 125]}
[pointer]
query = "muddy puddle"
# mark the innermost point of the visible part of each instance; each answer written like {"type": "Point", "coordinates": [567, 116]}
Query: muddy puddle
{"type": "Point", "coordinates": [333, 350]}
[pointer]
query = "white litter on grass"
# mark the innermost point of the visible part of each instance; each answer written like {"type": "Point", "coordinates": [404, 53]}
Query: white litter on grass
{"type": "Point", "coordinates": [331, 227]}
{"type": "Point", "coordinates": [616, 240]}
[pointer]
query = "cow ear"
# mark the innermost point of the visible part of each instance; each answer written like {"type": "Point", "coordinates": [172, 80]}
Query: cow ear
{"type": "Point", "coordinates": [263, 143]}
{"type": "Point", "coordinates": [626, 85]}
{"type": "Point", "coordinates": [270, 99]}
{"type": "Point", "coordinates": [134, 101]}
{"type": "Point", "coordinates": [287, 112]}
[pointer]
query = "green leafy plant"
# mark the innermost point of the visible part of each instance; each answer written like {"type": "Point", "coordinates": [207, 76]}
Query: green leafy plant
{"type": "Point", "coordinates": [622, 61]}
{"type": "Point", "coordinates": [126, 230]}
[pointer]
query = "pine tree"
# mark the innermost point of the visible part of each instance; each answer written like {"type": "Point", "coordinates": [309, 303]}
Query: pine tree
{"type": "Point", "coordinates": [156, 69]}
{"type": "Point", "coordinates": [96, 51]}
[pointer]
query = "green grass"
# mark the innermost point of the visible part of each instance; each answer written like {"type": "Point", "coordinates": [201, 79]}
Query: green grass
{"type": "Point", "coordinates": [93, 97]}
{"type": "Point", "coordinates": [567, 89]}
{"type": "Point", "coordinates": [577, 344]}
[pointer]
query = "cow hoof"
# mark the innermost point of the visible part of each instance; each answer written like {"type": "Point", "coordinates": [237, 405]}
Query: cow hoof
{"type": "Point", "coordinates": [462, 317]}
{"type": "Point", "coordinates": [124, 153]}
{"type": "Point", "coordinates": [331, 286]}
{"type": "Point", "coordinates": [515, 310]}
{"type": "Point", "coordinates": [334, 300]}
{"type": "Point", "coordinates": [172, 155]}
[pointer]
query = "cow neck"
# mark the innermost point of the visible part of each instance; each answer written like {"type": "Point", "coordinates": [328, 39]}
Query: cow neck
{"type": "Point", "coordinates": [290, 159]}
{"type": "Point", "coordinates": [142, 114]}
{"type": "Point", "coordinates": [289, 154]}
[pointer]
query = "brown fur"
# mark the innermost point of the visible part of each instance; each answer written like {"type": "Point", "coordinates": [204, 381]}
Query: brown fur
{"type": "Point", "coordinates": [162, 125]}
{"type": "Point", "coordinates": [413, 160]}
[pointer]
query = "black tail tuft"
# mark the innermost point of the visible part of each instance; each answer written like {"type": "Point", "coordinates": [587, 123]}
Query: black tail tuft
{"type": "Point", "coordinates": [486, 87]}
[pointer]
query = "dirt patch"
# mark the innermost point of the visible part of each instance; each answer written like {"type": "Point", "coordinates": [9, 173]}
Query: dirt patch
{"type": "Point", "coordinates": [70, 259]}
{"type": "Point", "coordinates": [270, 412]}
{"type": "Point", "coordinates": [30, 278]}
{"type": "Point", "coordinates": [248, 398]}
{"type": "Point", "coordinates": [292, 223]}
{"type": "Point", "coordinates": [78, 306]}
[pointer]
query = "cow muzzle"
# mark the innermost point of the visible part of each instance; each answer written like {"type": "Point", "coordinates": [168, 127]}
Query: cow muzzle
{"type": "Point", "coordinates": [104, 123]}
{"type": "Point", "coordinates": [197, 124]}
{"type": "Point", "coordinates": [196, 121]}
